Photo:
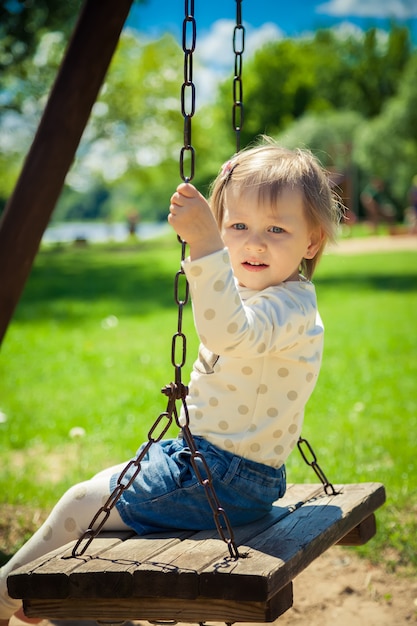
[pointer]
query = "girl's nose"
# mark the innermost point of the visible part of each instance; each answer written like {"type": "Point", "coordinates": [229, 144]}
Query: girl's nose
{"type": "Point", "coordinates": [255, 241]}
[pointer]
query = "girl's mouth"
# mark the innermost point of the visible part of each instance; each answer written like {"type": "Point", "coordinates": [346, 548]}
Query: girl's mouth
{"type": "Point", "coordinates": [254, 266]}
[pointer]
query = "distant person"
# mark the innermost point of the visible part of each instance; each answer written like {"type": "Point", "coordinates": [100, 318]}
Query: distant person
{"type": "Point", "coordinates": [411, 211]}
{"type": "Point", "coordinates": [133, 219]}
{"type": "Point", "coordinates": [378, 205]}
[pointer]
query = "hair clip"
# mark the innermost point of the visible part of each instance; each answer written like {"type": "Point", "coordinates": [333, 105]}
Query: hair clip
{"type": "Point", "coordinates": [227, 170]}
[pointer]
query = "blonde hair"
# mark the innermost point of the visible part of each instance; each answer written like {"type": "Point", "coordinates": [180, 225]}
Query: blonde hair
{"type": "Point", "coordinates": [271, 168]}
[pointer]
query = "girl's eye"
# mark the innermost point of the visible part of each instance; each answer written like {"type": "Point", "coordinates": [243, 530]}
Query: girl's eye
{"type": "Point", "coordinates": [276, 229]}
{"type": "Point", "coordinates": [239, 226]}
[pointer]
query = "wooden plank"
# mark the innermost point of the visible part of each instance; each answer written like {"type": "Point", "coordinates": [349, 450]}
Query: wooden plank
{"type": "Point", "coordinates": [253, 578]}
{"type": "Point", "coordinates": [111, 573]}
{"type": "Point", "coordinates": [66, 114]}
{"type": "Point", "coordinates": [185, 576]}
{"type": "Point", "coordinates": [55, 575]}
{"type": "Point", "coordinates": [50, 577]}
{"type": "Point", "coordinates": [361, 534]}
{"type": "Point", "coordinates": [205, 549]}
{"type": "Point", "coordinates": [50, 573]}
{"type": "Point", "coordinates": [201, 609]}
{"type": "Point", "coordinates": [278, 555]}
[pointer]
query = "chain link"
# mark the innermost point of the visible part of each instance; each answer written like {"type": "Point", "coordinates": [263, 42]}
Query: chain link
{"type": "Point", "coordinates": [327, 486]}
{"type": "Point", "coordinates": [175, 390]}
{"type": "Point", "coordinates": [189, 37]}
{"type": "Point", "coordinates": [238, 49]}
{"type": "Point", "coordinates": [104, 511]}
{"type": "Point", "coordinates": [237, 122]}
{"type": "Point", "coordinates": [198, 462]}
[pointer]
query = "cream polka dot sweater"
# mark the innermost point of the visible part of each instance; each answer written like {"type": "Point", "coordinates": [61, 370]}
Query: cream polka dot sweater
{"type": "Point", "coordinates": [258, 361]}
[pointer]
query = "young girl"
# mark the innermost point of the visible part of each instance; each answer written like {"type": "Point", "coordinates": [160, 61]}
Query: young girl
{"type": "Point", "coordinates": [253, 251]}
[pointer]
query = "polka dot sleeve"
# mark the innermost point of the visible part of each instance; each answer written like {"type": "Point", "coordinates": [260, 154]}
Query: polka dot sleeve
{"type": "Point", "coordinates": [240, 322]}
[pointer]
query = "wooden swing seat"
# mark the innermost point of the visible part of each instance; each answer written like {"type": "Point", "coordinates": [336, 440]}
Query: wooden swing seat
{"type": "Point", "coordinates": [190, 577]}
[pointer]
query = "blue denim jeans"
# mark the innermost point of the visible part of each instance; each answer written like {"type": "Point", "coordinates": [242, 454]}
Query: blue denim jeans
{"type": "Point", "coordinates": [167, 494]}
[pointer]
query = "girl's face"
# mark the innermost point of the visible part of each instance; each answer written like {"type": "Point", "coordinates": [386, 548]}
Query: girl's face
{"type": "Point", "coordinates": [267, 243]}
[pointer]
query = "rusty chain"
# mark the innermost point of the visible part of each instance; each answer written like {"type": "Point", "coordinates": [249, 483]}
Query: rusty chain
{"type": "Point", "coordinates": [237, 123]}
{"type": "Point", "coordinates": [327, 486]}
{"type": "Point", "coordinates": [177, 391]}
{"type": "Point", "coordinates": [189, 37]}
{"type": "Point", "coordinates": [197, 458]}
{"type": "Point", "coordinates": [238, 49]}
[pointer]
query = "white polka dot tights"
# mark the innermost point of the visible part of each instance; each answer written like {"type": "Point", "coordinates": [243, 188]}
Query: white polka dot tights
{"type": "Point", "coordinates": [67, 521]}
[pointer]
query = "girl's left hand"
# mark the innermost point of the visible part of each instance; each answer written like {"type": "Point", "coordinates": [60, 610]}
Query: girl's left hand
{"type": "Point", "coordinates": [192, 219]}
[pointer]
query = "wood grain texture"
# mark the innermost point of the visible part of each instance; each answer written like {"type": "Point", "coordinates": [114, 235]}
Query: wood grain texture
{"type": "Point", "coordinates": [191, 576]}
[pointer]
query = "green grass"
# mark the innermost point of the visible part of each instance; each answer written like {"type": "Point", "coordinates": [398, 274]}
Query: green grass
{"type": "Point", "coordinates": [90, 347]}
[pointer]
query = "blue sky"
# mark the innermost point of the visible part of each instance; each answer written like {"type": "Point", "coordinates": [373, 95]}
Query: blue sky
{"type": "Point", "coordinates": [291, 18]}
{"type": "Point", "coordinates": [264, 20]}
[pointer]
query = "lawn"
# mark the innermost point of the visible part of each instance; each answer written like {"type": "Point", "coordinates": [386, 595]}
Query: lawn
{"type": "Point", "coordinates": [89, 349]}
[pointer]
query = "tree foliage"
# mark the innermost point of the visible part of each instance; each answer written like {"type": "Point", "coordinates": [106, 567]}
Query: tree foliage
{"type": "Point", "coordinates": [24, 22]}
{"type": "Point", "coordinates": [387, 145]}
{"type": "Point", "coordinates": [345, 96]}
{"type": "Point", "coordinates": [291, 77]}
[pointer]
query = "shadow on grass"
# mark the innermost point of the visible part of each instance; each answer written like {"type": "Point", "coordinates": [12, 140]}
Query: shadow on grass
{"type": "Point", "coordinates": [395, 272]}
{"type": "Point", "coordinates": [65, 282]}
{"type": "Point", "coordinates": [369, 282]}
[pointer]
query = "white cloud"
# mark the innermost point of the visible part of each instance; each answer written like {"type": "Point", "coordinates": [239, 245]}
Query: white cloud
{"type": "Point", "coordinates": [400, 9]}
{"type": "Point", "coordinates": [215, 47]}
{"type": "Point", "coordinates": [345, 30]}
{"type": "Point", "coordinates": [257, 37]}
{"type": "Point", "coordinates": [215, 55]}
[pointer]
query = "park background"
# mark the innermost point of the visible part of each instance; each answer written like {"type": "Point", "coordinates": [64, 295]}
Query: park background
{"type": "Point", "coordinates": [88, 349]}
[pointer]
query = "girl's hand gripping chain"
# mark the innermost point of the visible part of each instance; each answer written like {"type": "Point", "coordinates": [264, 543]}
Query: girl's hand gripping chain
{"type": "Point", "coordinates": [191, 218]}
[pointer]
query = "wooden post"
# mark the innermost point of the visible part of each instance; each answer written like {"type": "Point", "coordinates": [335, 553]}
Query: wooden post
{"type": "Point", "coordinates": [73, 94]}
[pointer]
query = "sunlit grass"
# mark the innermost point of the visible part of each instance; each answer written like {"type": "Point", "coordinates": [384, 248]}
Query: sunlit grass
{"type": "Point", "coordinates": [90, 348]}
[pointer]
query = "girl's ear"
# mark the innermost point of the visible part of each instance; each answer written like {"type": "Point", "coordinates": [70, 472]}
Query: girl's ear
{"type": "Point", "coordinates": [316, 240]}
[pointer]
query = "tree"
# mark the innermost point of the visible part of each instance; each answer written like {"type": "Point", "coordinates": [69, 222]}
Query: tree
{"type": "Point", "coordinates": [135, 128]}
{"type": "Point", "coordinates": [279, 85]}
{"type": "Point", "coordinates": [387, 145]}
{"type": "Point", "coordinates": [23, 23]}
{"type": "Point", "coordinates": [32, 43]}
{"type": "Point", "coordinates": [328, 135]}
{"type": "Point", "coordinates": [289, 78]}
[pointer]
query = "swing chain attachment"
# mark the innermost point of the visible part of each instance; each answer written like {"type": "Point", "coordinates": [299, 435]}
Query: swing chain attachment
{"type": "Point", "coordinates": [178, 391]}
{"type": "Point", "coordinates": [327, 486]}
{"type": "Point", "coordinates": [103, 513]}
{"type": "Point", "coordinates": [238, 49]}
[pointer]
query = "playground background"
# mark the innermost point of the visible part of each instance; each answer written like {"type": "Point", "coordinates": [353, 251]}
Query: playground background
{"type": "Point", "coordinates": [89, 349]}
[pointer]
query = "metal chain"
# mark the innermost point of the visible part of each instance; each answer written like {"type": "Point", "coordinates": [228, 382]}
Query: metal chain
{"type": "Point", "coordinates": [189, 36]}
{"type": "Point", "coordinates": [238, 49]}
{"type": "Point", "coordinates": [180, 391]}
{"type": "Point", "coordinates": [327, 486]}
{"type": "Point", "coordinates": [175, 390]}
{"type": "Point", "coordinates": [123, 483]}
{"type": "Point", "coordinates": [197, 459]}
{"type": "Point", "coordinates": [237, 122]}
